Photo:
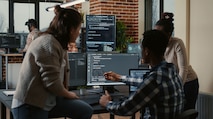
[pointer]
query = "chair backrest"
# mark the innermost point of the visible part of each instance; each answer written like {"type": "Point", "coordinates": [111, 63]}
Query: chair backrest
{"type": "Point", "coordinates": [188, 114]}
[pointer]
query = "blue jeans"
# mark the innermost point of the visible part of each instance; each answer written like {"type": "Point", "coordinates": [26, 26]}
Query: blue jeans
{"type": "Point", "coordinates": [75, 109]}
{"type": "Point", "coordinates": [29, 112]}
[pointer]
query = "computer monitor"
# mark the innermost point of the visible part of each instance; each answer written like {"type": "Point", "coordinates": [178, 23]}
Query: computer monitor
{"type": "Point", "coordinates": [99, 63]}
{"type": "Point", "coordinates": [10, 41]}
{"type": "Point", "coordinates": [137, 73]}
{"type": "Point", "coordinates": [77, 62]}
{"type": "Point", "coordinates": [100, 33]}
{"type": "Point", "coordinates": [134, 48]}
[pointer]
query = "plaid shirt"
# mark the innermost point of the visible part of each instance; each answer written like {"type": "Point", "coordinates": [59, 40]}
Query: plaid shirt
{"type": "Point", "coordinates": [161, 88]}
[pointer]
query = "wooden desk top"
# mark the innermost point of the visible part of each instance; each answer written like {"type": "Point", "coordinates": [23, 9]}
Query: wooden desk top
{"type": "Point", "coordinates": [14, 54]}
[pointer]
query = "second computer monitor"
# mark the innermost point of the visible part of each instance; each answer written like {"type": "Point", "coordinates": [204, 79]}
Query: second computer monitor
{"type": "Point", "coordinates": [77, 62]}
{"type": "Point", "coordinates": [99, 63]}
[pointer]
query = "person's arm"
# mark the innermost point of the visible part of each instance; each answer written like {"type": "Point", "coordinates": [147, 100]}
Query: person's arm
{"type": "Point", "coordinates": [66, 73]}
{"type": "Point", "coordinates": [133, 81]}
{"type": "Point", "coordinates": [135, 102]}
{"type": "Point", "coordinates": [182, 61]}
{"type": "Point", "coordinates": [126, 79]}
{"type": "Point", "coordinates": [50, 59]}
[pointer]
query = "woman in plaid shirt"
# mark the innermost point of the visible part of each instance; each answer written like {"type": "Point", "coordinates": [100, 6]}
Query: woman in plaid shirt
{"type": "Point", "coordinates": [160, 89]}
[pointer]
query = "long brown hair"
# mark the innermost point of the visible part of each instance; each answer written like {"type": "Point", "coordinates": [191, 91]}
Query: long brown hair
{"type": "Point", "coordinates": [65, 19]}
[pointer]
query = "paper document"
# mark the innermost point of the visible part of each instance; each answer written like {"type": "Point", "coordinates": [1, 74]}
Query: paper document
{"type": "Point", "coordinates": [9, 92]}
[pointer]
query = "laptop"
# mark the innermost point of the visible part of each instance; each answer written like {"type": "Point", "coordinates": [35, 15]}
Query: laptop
{"type": "Point", "coordinates": [137, 73]}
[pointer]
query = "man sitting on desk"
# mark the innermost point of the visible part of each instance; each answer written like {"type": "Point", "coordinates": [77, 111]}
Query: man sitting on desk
{"type": "Point", "coordinates": [161, 88]}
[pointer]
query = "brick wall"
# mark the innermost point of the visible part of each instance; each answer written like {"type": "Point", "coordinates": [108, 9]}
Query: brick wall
{"type": "Point", "coordinates": [11, 59]}
{"type": "Point", "coordinates": [125, 11]}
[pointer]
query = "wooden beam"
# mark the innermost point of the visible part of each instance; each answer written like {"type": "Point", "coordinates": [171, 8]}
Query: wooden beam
{"type": "Point", "coordinates": [34, 1]}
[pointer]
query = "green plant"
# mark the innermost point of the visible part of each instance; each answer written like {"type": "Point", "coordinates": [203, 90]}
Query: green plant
{"type": "Point", "coordinates": [122, 39]}
{"type": "Point", "coordinates": [81, 87]}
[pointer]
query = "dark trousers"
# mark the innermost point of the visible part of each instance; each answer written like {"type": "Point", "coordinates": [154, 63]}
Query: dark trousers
{"type": "Point", "coordinates": [191, 90]}
{"type": "Point", "coordinates": [75, 109]}
{"type": "Point", "coordinates": [29, 112]}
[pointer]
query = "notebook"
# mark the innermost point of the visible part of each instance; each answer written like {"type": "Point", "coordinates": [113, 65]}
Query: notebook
{"type": "Point", "coordinates": [137, 73]}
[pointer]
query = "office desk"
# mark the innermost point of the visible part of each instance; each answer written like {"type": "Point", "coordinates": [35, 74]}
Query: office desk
{"type": "Point", "coordinates": [6, 101]}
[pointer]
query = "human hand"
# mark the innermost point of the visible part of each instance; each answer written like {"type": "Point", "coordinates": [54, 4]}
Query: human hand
{"type": "Point", "coordinates": [73, 95]}
{"type": "Point", "coordinates": [112, 76]}
{"type": "Point", "coordinates": [104, 100]}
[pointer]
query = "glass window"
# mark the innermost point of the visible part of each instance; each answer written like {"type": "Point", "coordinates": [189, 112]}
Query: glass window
{"type": "Point", "coordinates": [4, 16]}
{"type": "Point", "coordinates": [26, 11]}
{"type": "Point", "coordinates": [155, 12]}
{"type": "Point", "coordinates": [45, 16]}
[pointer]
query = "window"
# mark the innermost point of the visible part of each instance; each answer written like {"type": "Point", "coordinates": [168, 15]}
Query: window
{"type": "Point", "coordinates": [153, 10]}
{"type": "Point", "coordinates": [45, 16]}
{"type": "Point", "coordinates": [4, 16]}
{"type": "Point", "coordinates": [26, 11]}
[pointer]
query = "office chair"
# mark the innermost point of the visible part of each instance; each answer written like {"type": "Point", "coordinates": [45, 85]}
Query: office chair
{"type": "Point", "coordinates": [188, 114]}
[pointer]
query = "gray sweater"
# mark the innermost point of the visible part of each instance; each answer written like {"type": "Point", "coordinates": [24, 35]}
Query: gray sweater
{"type": "Point", "coordinates": [42, 73]}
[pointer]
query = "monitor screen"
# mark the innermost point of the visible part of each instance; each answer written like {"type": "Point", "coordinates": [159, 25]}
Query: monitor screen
{"type": "Point", "coordinates": [10, 41]}
{"type": "Point", "coordinates": [77, 62]}
{"type": "Point", "coordinates": [100, 33]}
{"type": "Point", "coordinates": [137, 73]}
{"type": "Point", "coordinates": [99, 63]}
{"type": "Point", "coordinates": [134, 48]}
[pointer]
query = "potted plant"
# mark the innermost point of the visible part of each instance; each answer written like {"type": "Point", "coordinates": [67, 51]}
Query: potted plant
{"type": "Point", "coordinates": [122, 39]}
{"type": "Point", "coordinates": [82, 90]}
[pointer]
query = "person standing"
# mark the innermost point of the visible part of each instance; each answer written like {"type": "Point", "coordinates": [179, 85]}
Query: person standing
{"type": "Point", "coordinates": [161, 88]}
{"type": "Point", "coordinates": [42, 87]}
{"type": "Point", "coordinates": [176, 53]}
{"type": "Point", "coordinates": [33, 32]}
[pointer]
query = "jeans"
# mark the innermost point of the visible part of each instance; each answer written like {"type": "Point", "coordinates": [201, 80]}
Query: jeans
{"type": "Point", "coordinates": [75, 109]}
{"type": "Point", "coordinates": [29, 112]}
{"type": "Point", "coordinates": [72, 108]}
{"type": "Point", "coordinates": [191, 90]}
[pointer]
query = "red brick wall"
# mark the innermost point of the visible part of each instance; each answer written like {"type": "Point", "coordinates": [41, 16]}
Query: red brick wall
{"type": "Point", "coordinates": [125, 11]}
{"type": "Point", "coordinates": [11, 59]}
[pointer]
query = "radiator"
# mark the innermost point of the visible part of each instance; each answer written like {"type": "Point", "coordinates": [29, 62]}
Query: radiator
{"type": "Point", "coordinates": [205, 106]}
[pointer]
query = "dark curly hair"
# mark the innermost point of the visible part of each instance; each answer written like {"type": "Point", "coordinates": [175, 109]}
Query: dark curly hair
{"type": "Point", "coordinates": [166, 22]}
{"type": "Point", "coordinates": [156, 41]}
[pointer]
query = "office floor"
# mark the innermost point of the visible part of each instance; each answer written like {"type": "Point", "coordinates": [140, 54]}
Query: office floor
{"type": "Point", "coordinates": [107, 116]}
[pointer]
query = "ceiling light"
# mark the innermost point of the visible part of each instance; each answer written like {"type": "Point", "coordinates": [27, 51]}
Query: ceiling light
{"type": "Point", "coordinates": [67, 4]}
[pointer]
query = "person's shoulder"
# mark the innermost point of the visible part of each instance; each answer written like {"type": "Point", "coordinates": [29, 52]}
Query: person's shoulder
{"type": "Point", "coordinates": [176, 40]}
{"type": "Point", "coordinates": [164, 65]}
{"type": "Point", "coordinates": [45, 39]}
{"type": "Point", "coordinates": [46, 43]}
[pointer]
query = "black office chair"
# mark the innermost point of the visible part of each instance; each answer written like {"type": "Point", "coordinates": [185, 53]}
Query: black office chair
{"type": "Point", "coordinates": [188, 114]}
